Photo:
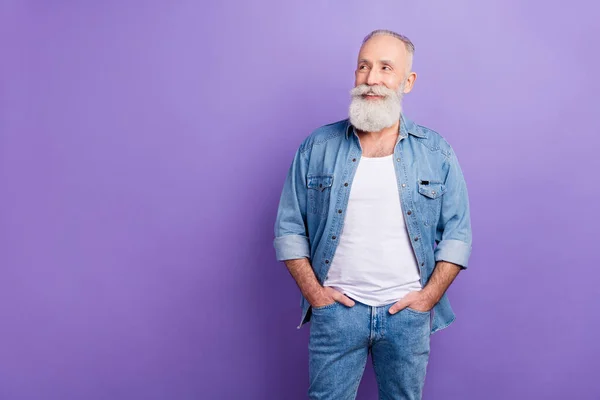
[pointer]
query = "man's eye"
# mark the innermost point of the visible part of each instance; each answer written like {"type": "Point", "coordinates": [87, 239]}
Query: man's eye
{"type": "Point", "coordinates": [387, 68]}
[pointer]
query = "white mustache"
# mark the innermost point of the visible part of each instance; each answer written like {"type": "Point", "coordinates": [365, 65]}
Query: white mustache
{"type": "Point", "coordinates": [362, 90]}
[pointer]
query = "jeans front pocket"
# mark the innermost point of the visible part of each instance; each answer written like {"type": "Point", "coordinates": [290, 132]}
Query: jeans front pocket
{"type": "Point", "coordinates": [328, 306]}
{"type": "Point", "coordinates": [319, 193]}
{"type": "Point", "coordinates": [417, 311]}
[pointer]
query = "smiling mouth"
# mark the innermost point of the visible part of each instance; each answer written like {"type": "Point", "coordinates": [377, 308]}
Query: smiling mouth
{"type": "Point", "coordinates": [372, 96]}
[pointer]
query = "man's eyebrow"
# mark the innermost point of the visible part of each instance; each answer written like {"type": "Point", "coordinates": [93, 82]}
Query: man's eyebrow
{"type": "Point", "coordinates": [364, 60]}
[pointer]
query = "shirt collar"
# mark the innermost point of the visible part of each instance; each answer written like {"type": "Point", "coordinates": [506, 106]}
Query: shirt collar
{"type": "Point", "coordinates": [406, 126]}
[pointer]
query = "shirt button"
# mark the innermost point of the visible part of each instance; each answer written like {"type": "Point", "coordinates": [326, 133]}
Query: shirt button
{"type": "Point", "coordinates": [404, 185]}
{"type": "Point", "coordinates": [326, 261]}
{"type": "Point", "coordinates": [422, 264]}
{"type": "Point", "coordinates": [354, 160]}
{"type": "Point", "coordinates": [339, 211]}
{"type": "Point", "coordinates": [409, 212]}
{"type": "Point", "coordinates": [333, 237]}
{"type": "Point", "coordinates": [416, 238]}
{"type": "Point", "coordinates": [346, 184]}
{"type": "Point", "coordinates": [433, 192]}
{"type": "Point", "coordinates": [398, 159]}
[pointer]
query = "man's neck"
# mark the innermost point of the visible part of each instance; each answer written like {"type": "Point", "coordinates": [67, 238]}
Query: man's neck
{"type": "Point", "coordinates": [383, 134]}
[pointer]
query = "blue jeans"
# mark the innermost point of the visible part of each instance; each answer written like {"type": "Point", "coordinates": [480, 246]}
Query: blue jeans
{"type": "Point", "coordinates": [341, 338]}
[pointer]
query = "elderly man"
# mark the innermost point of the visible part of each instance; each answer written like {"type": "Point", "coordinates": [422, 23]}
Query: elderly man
{"type": "Point", "coordinates": [373, 224]}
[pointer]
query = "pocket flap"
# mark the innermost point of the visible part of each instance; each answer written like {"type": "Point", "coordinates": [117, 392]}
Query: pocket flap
{"type": "Point", "coordinates": [319, 182]}
{"type": "Point", "coordinates": [431, 189]}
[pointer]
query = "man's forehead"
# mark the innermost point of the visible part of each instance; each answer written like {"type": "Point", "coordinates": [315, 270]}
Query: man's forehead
{"type": "Point", "coordinates": [382, 47]}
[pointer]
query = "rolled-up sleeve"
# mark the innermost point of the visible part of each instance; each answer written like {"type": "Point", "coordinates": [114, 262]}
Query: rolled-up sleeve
{"type": "Point", "coordinates": [291, 237]}
{"type": "Point", "coordinates": [453, 234]}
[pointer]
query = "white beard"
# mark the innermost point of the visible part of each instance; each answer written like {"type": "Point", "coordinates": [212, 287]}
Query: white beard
{"type": "Point", "coordinates": [375, 115]}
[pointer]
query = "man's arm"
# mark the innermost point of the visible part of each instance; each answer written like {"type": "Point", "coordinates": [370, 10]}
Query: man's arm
{"type": "Point", "coordinates": [291, 242]}
{"type": "Point", "coordinates": [442, 277]}
{"type": "Point", "coordinates": [311, 289]}
{"type": "Point", "coordinates": [305, 278]}
{"type": "Point", "coordinates": [291, 236]}
{"type": "Point", "coordinates": [453, 234]}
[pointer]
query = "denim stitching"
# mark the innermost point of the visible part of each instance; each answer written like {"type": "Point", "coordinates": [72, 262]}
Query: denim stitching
{"type": "Point", "coordinates": [325, 307]}
{"type": "Point", "coordinates": [418, 312]}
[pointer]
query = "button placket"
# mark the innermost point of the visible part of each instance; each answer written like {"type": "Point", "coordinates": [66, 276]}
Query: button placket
{"type": "Point", "coordinates": [413, 224]}
{"type": "Point", "coordinates": [340, 211]}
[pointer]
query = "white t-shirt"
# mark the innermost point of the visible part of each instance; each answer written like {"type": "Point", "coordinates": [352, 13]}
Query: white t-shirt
{"type": "Point", "coordinates": [374, 262]}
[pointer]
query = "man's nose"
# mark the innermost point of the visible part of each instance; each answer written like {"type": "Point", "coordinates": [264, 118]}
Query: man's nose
{"type": "Point", "coordinates": [373, 78]}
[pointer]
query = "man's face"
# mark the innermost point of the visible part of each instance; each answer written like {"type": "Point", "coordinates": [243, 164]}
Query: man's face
{"type": "Point", "coordinates": [381, 80]}
{"type": "Point", "coordinates": [383, 60]}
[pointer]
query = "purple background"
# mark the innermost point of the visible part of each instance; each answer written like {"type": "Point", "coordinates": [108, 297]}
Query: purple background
{"type": "Point", "coordinates": [143, 148]}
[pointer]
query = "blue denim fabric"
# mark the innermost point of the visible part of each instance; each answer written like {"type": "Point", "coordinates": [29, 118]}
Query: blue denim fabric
{"type": "Point", "coordinates": [431, 187]}
{"type": "Point", "coordinates": [341, 338]}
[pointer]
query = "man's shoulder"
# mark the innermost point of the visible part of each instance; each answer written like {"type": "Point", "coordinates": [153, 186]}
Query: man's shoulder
{"type": "Point", "coordinates": [432, 139]}
{"type": "Point", "coordinates": [324, 134]}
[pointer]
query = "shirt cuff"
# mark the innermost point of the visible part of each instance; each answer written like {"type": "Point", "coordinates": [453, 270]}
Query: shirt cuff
{"type": "Point", "coordinates": [290, 247]}
{"type": "Point", "coordinates": [453, 251]}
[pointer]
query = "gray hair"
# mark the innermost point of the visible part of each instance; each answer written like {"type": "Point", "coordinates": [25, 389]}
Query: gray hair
{"type": "Point", "coordinates": [410, 47]}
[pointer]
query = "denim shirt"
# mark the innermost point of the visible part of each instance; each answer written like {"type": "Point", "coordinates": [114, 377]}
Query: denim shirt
{"type": "Point", "coordinates": [431, 188]}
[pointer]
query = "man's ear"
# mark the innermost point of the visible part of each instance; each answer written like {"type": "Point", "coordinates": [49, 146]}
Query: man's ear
{"type": "Point", "coordinates": [410, 82]}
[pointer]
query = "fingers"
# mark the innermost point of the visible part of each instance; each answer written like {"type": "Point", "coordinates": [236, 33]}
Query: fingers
{"type": "Point", "coordinates": [345, 300]}
{"type": "Point", "coordinates": [340, 297]}
{"type": "Point", "coordinates": [399, 305]}
{"type": "Point", "coordinates": [404, 302]}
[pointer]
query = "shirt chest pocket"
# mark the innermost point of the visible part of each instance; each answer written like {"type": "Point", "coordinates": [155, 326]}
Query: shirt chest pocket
{"type": "Point", "coordinates": [430, 199]}
{"type": "Point", "coordinates": [319, 193]}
